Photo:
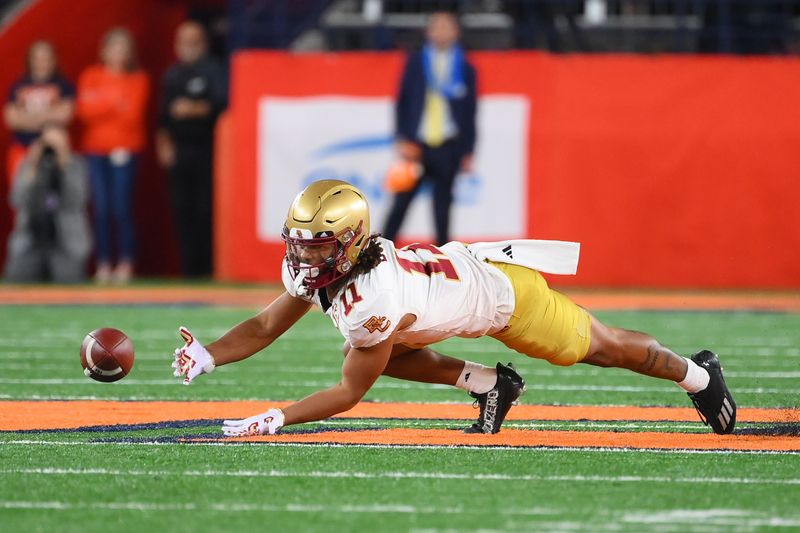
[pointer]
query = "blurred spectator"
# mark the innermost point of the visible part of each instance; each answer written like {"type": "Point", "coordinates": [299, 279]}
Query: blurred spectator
{"type": "Point", "coordinates": [50, 240]}
{"type": "Point", "coordinates": [535, 19]}
{"type": "Point", "coordinates": [112, 98]}
{"type": "Point", "coordinates": [435, 121]}
{"type": "Point", "coordinates": [42, 96]}
{"type": "Point", "coordinates": [746, 27]}
{"type": "Point", "coordinates": [193, 96]}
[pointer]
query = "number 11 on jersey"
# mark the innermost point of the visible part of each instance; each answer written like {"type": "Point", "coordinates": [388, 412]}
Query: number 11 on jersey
{"type": "Point", "coordinates": [439, 264]}
{"type": "Point", "coordinates": [354, 298]}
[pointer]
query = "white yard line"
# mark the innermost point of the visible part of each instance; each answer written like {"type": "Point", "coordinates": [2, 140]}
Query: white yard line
{"type": "Point", "coordinates": [169, 398]}
{"type": "Point", "coordinates": [334, 371]}
{"type": "Point", "coordinates": [520, 424]}
{"type": "Point", "coordinates": [395, 475]}
{"type": "Point", "coordinates": [569, 449]}
{"type": "Point", "coordinates": [717, 517]}
{"type": "Point", "coordinates": [379, 385]}
{"type": "Point", "coordinates": [246, 507]}
{"type": "Point", "coordinates": [173, 382]}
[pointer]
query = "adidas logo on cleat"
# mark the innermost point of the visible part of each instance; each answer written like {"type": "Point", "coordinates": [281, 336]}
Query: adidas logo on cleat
{"type": "Point", "coordinates": [725, 414]}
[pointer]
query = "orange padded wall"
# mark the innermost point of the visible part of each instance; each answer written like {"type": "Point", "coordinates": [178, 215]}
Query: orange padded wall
{"type": "Point", "coordinates": [672, 171]}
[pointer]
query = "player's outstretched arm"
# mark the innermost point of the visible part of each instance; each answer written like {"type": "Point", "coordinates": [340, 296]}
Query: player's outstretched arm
{"type": "Point", "coordinates": [242, 341]}
{"type": "Point", "coordinates": [360, 370]}
{"type": "Point", "coordinates": [258, 332]}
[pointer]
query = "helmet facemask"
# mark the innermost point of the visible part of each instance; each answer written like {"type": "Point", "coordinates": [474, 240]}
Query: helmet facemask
{"type": "Point", "coordinates": [318, 261]}
{"type": "Point", "coordinates": [325, 230]}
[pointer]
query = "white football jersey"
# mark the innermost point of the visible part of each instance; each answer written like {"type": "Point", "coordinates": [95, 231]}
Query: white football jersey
{"type": "Point", "coordinates": [449, 291]}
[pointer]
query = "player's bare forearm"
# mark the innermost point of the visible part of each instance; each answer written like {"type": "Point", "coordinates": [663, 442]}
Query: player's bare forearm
{"type": "Point", "coordinates": [258, 332]}
{"type": "Point", "coordinates": [242, 341]}
{"type": "Point", "coordinates": [321, 405]}
{"type": "Point", "coordinates": [361, 368]}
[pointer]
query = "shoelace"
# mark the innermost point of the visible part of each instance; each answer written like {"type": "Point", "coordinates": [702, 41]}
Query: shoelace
{"type": "Point", "coordinates": [478, 425]}
{"type": "Point", "coordinates": [476, 405]}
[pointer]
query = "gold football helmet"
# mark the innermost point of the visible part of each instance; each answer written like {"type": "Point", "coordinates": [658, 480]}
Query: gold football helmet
{"type": "Point", "coordinates": [325, 230]}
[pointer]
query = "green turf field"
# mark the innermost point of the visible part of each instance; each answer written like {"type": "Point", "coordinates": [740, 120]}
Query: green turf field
{"type": "Point", "coordinates": [139, 478]}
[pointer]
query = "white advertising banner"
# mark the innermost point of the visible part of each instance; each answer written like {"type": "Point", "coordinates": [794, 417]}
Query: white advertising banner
{"type": "Point", "coordinates": [305, 139]}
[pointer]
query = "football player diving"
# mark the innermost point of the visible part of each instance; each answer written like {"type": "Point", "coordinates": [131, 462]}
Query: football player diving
{"type": "Point", "coordinates": [390, 304]}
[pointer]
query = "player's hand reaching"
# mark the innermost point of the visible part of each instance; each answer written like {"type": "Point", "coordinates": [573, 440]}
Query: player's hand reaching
{"type": "Point", "coordinates": [267, 423]}
{"type": "Point", "coordinates": [192, 359]}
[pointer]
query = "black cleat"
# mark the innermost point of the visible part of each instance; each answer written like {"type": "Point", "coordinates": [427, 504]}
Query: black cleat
{"type": "Point", "coordinates": [495, 404]}
{"type": "Point", "coordinates": [714, 404]}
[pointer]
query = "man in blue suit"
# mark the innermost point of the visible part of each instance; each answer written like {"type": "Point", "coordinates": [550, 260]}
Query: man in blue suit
{"type": "Point", "coordinates": [435, 121]}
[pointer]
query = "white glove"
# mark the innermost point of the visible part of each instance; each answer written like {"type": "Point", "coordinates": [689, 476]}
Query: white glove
{"type": "Point", "coordinates": [192, 359]}
{"type": "Point", "coordinates": [266, 423]}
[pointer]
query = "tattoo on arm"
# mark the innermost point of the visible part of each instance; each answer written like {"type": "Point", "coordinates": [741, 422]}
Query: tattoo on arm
{"type": "Point", "coordinates": [652, 358]}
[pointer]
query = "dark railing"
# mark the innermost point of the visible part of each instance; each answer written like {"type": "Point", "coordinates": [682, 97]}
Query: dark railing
{"type": "Point", "coordinates": [271, 23]}
{"type": "Point", "coordinates": [637, 26]}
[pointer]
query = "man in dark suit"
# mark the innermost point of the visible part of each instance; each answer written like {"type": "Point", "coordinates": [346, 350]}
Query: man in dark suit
{"type": "Point", "coordinates": [194, 94]}
{"type": "Point", "coordinates": [435, 121]}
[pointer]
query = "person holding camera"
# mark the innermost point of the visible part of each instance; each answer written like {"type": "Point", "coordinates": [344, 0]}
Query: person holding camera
{"type": "Point", "coordinates": [50, 240]}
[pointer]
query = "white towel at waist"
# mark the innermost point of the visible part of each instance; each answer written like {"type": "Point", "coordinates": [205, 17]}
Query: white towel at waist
{"type": "Point", "coordinates": [553, 257]}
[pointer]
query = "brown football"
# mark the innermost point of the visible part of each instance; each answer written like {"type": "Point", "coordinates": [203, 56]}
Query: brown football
{"type": "Point", "coordinates": [107, 355]}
